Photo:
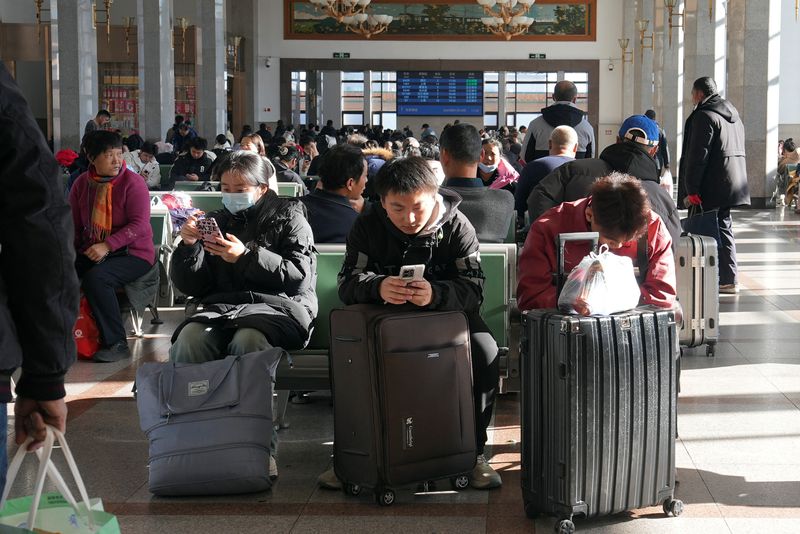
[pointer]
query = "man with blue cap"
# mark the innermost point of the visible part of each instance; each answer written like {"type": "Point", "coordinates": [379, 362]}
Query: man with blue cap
{"type": "Point", "coordinates": [633, 153]}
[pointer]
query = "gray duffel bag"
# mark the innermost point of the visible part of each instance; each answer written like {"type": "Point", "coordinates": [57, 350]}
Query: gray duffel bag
{"type": "Point", "coordinates": [209, 424]}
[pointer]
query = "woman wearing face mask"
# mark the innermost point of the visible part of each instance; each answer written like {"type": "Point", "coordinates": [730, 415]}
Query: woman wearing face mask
{"type": "Point", "coordinates": [493, 169]}
{"type": "Point", "coordinates": [113, 238]}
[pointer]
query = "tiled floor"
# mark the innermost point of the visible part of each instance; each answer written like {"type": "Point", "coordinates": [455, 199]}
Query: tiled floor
{"type": "Point", "coordinates": [738, 455]}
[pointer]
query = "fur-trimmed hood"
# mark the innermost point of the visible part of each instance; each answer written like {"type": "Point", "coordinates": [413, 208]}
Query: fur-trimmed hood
{"type": "Point", "coordinates": [384, 154]}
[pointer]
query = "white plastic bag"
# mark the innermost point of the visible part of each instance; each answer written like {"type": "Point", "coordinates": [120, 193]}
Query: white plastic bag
{"type": "Point", "coordinates": [666, 180]}
{"type": "Point", "coordinates": [601, 284]}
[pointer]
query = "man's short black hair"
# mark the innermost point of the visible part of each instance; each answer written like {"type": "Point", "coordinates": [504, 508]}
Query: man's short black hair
{"type": "Point", "coordinates": [404, 176]}
{"type": "Point", "coordinates": [98, 141]}
{"type": "Point", "coordinates": [104, 113]}
{"type": "Point", "coordinates": [462, 142]}
{"type": "Point", "coordinates": [263, 126]}
{"type": "Point", "coordinates": [565, 91]}
{"type": "Point", "coordinates": [149, 148]}
{"type": "Point", "coordinates": [306, 140]}
{"type": "Point", "coordinates": [329, 122]}
{"type": "Point", "coordinates": [178, 119]}
{"type": "Point", "coordinates": [705, 85]}
{"type": "Point", "coordinates": [339, 164]}
{"type": "Point", "coordinates": [198, 143]}
{"type": "Point", "coordinates": [650, 114]}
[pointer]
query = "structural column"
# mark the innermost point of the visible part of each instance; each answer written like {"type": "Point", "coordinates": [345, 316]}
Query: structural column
{"type": "Point", "coordinates": [671, 82]}
{"type": "Point", "coordinates": [629, 70]}
{"type": "Point", "coordinates": [704, 51]}
{"type": "Point", "coordinates": [643, 58]}
{"type": "Point", "coordinates": [74, 69]}
{"type": "Point", "coordinates": [156, 67]}
{"type": "Point", "coordinates": [314, 97]}
{"type": "Point", "coordinates": [331, 99]}
{"type": "Point", "coordinates": [753, 83]}
{"type": "Point", "coordinates": [211, 97]}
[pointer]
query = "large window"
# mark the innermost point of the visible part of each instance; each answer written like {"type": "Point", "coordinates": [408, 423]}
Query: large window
{"type": "Point", "coordinates": [299, 97]}
{"type": "Point", "coordinates": [528, 92]}
{"type": "Point", "coordinates": [491, 94]}
{"type": "Point", "coordinates": [384, 99]}
{"type": "Point", "coordinates": [352, 98]}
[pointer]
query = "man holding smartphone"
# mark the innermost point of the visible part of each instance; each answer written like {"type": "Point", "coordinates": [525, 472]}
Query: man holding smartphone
{"type": "Point", "coordinates": [416, 248]}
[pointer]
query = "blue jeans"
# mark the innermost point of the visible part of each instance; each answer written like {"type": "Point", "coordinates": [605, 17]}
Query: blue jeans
{"type": "Point", "coordinates": [3, 438]}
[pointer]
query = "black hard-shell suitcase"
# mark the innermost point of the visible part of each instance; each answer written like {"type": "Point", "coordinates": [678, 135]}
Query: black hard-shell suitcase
{"type": "Point", "coordinates": [598, 413]}
{"type": "Point", "coordinates": [697, 272]}
{"type": "Point", "coordinates": [402, 396]}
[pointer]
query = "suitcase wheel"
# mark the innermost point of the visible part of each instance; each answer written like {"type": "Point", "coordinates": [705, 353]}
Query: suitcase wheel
{"type": "Point", "coordinates": [352, 489]}
{"type": "Point", "coordinates": [673, 507]}
{"type": "Point", "coordinates": [460, 482]}
{"type": "Point", "coordinates": [565, 526]}
{"type": "Point", "coordinates": [384, 497]}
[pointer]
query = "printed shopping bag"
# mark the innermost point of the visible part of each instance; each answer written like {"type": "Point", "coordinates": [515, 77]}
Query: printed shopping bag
{"type": "Point", "coordinates": [53, 512]}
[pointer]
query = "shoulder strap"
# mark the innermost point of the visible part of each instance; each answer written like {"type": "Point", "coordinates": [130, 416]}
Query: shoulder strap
{"type": "Point", "coordinates": [641, 259]}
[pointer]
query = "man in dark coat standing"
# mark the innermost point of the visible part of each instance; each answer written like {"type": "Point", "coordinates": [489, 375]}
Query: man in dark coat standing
{"type": "Point", "coordinates": [713, 172]}
{"type": "Point", "coordinates": [38, 283]}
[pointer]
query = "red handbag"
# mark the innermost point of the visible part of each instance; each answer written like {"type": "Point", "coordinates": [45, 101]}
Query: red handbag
{"type": "Point", "coordinates": [86, 334]}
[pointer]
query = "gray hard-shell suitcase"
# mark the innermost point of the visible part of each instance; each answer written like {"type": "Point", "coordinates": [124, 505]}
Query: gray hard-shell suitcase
{"type": "Point", "coordinates": [403, 401]}
{"type": "Point", "coordinates": [697, 270]}
{"type": "Point", "coordinates": [209, 424]}
{"type": "Point", "coordinates": [598, 410]}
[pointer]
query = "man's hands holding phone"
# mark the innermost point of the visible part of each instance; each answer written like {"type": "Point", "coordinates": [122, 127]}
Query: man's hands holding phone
{"type": "Point", "coordinates": [410, 286]}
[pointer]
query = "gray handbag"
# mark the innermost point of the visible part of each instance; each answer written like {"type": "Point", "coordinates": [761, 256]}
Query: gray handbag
{"type": "Point", "coordinates": [209, 424]}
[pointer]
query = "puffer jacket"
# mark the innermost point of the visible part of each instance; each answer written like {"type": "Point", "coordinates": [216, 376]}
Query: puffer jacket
{"type": "Point", "coordinates": [276, 276]}
{"type": "Point", "coordinates": [376, 248]}
{"type": "Point", "coordinates": [713, 157]}
{"type": "Point", "coordinates": [573, 181]}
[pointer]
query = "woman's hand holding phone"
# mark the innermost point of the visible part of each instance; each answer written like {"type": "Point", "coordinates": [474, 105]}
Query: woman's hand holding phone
{"type": "Point", "coordinates": [189, 232]}
{"type": "Point", "coordinates": [230, 250]}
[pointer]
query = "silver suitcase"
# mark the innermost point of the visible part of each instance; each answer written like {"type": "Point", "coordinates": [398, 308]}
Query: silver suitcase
{"type": "Point", "coordinates": [698, 291]}
{"type": "Point", "coordinates": [209, 424]}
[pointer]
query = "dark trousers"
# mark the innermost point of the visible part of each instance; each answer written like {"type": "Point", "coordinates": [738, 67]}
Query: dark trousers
{"type": "Point", "coordinates": [485, 376]}
{"type": "Point", "coordinates": [727, 248]}
{"type": "Point", "coordinates": [99, 282]}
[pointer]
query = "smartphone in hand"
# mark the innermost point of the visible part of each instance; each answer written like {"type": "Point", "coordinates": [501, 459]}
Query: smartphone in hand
{"type": "Point", "coordinates": [412, 273]}
{"type": "Point", "coordinates": [209, 229]}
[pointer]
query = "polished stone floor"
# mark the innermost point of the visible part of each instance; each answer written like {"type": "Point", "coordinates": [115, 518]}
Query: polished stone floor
{"type": "Point", "coordinates": [738, 455]}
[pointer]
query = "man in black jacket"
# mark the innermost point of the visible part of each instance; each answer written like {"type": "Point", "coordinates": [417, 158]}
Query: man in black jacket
{"type": "Point", "coordinates": [713, 171]}
{"type": "Point", "coordinates": [38, 284]}
{"type": "Point", "coordinates": [562, 112]}
{"type": "Point", "coordinates": [343, 174]}
{"type": "Point", "coordinates": [490, 211]}
{"type": "Point", "coordinates": [637, 142]}
{"type": "Point", "coordinates": [194, 166]}
{"type": "Point", "coordinates": [414, 224]}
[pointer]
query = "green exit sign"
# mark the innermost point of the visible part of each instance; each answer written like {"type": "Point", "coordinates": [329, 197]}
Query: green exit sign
{"type": "Point", "coordinates": [341, 55]}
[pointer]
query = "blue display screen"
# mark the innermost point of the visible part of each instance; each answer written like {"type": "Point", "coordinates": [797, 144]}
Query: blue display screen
{"type": "Point", "coordinates": [440, 93]}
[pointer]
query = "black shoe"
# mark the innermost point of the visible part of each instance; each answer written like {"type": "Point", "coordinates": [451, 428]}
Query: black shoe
{"type": "Point", "coordinates": [114, 353]}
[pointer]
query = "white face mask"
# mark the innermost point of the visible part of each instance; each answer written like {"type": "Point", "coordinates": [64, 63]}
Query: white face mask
{"type": "Point", "coordinates": [487, 168]}
{"type": "Point", "coordinates": [236, 202]}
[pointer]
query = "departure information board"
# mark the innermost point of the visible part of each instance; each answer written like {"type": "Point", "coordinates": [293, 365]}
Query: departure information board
{"type": "Point", "coordinates": [440, 93]}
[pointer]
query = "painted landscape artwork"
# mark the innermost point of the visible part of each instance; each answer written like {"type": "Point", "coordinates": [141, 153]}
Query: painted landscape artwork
{"type": "Point", "coordinates": [454, 20]}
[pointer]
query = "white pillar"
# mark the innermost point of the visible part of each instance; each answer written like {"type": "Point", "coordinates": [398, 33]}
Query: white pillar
{"type": "Point", "coordinates": [643, 59]}
{"type": "Point", "coordinates": [211, 97]}
{"type": "Point", "coordinates": [156, 67]}
{"type": "Point", "coordinates": [75, 74]}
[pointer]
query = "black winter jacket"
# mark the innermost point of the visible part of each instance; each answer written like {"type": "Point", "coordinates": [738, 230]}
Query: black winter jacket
{"type": "Point", "coordinates": [713, 157]}
{"type": "Point", "coordinates": [377, 249]}
{"type": "Point", "coordinates": [573, 181]}
{"type": "Point", "coordinates": [276, 276]}
{"type": "Point", "coordinates": [38, 283]}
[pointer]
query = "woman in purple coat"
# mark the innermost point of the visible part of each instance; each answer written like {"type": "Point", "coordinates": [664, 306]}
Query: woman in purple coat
{"type": "Point", "coordinates": [113, 238]}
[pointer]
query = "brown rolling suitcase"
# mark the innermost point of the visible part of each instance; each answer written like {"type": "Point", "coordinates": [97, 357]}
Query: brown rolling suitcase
{"type": "Point", "coordinates": [402, 394]}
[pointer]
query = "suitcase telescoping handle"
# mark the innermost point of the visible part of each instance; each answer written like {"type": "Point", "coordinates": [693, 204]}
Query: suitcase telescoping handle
{"type": "Point", "coordinates": [561, 241]}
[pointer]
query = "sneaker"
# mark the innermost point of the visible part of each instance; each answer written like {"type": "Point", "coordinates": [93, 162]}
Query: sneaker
{"type": "Point", "coordinates": [116, 352]}
{"type": "Point", "coordinates": [728, 289]}
{"type": "Point", "coordinates": [273, 468]}
{"type": "Point", "coordinates": [483, 476]}
{"type": "Point", "coordinates": [328, 480]}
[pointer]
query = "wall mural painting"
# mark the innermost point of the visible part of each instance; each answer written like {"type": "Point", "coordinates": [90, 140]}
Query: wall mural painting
{"type": "Point", "coordinates": [565, 20]}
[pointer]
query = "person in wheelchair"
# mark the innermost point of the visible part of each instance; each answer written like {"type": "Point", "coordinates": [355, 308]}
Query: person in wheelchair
{"type": "Point", "coordinates": [113, 238]}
